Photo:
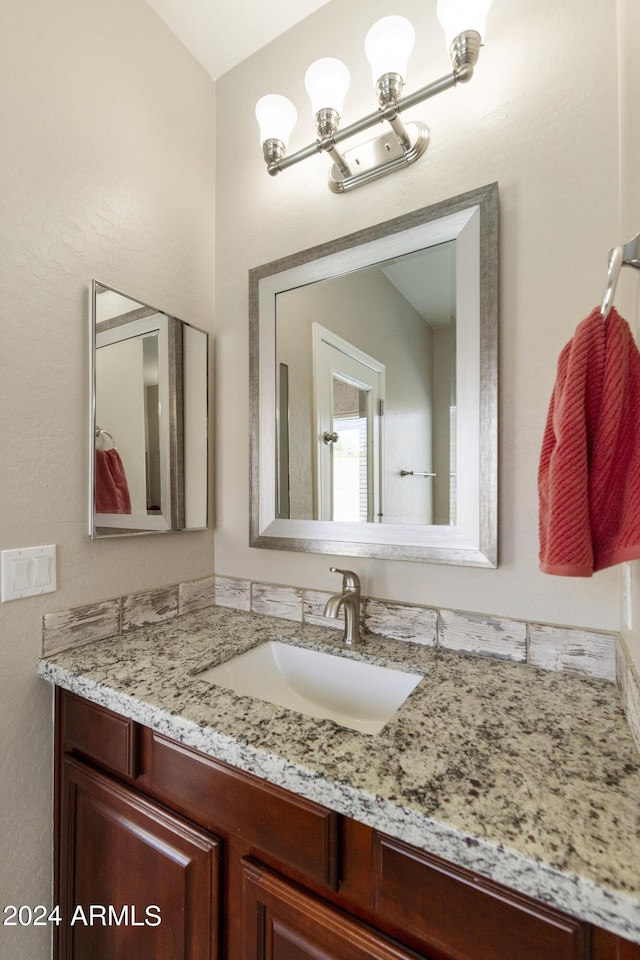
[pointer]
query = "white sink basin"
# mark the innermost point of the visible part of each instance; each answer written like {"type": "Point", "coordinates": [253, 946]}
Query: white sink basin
{"type": "Point", "coordinates": [354, 694]}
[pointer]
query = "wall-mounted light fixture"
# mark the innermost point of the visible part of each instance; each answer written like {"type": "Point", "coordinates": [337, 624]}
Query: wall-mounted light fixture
{"type": "Point", "coordinates": [388, 46]}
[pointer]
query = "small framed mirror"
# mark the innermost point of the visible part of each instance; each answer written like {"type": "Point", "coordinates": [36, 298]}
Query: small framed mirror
{"type": "Point", "coordinates": [374, 390]}
{"type": "Point", "coordinates": [148, 438]}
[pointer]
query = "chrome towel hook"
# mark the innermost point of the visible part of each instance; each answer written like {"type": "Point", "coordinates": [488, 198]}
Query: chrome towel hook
{"type": "Point", "coordinates": [623, 256]}
{"type": "Point", "coordinates": [104, 433]}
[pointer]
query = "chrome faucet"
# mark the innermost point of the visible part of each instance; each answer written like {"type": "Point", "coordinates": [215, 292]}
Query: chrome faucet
{"type": "Point", "coordinates": [350, 600]}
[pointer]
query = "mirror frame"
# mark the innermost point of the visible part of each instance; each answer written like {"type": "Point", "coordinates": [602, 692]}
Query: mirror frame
{"type": "Point", "coordinates": [173, 516]}
{"type": "Point", "coordinates": [472, 216]}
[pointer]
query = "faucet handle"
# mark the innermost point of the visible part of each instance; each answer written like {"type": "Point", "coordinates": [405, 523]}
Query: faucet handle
{"type": "Point", "coordinates": [350, 580]}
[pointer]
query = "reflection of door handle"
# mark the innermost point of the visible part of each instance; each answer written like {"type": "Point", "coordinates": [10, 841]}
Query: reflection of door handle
{"type": "Point", "coordinates": [330, 437]}
{"type": "Point", "coordinates": [412, 473]}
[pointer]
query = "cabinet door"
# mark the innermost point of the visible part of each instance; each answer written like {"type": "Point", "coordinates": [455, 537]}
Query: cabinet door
{"type": "Point", "coordinates": [283, 922]}
{"type": "Point", "coordinates": [135, 881]}
{"type": "Point", "coordinates": [607, 946]}
{"type": "Point", "coordinates": [464, 916]}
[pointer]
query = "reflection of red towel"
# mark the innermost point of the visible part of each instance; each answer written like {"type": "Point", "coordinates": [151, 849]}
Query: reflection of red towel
{"type": "Point", "coordinates": [589, 477]}
{"type": "Point", "coordinates": [112, 490]}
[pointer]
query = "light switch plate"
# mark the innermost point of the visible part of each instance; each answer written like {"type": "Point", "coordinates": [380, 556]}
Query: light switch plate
{"type": "Point", "coordinates": [27, 572]}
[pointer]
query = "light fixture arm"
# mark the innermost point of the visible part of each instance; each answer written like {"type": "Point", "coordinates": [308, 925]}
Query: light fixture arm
{"type": "Point", "coordinates": [339, 161]}
{"type": "Point", "coordinates": [401, 133]}
{"type": "Point", "coordinates": [389, 112]}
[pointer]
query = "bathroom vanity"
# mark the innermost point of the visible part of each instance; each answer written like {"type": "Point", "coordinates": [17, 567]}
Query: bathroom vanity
{"type": "Point", "coordinates": [231, 828]}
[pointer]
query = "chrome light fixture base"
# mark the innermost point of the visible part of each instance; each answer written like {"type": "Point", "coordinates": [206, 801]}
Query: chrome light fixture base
{"type": "Point", "coordinates": [273, 151]}
{"type": "Point", "coordinates": [464, 52]}
{"type": "Point", "coordinates": [389, 88]}
{"type": "Point", "coordinates": [377, 157]}
{"type": "Point", "coordinates": [327, 122]}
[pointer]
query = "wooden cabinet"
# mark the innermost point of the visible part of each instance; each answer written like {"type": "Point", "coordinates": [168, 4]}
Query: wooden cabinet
{"type": "Point", "coordinates": [135, 880]}
{"type": "Point", "coordinates": [283, 922]}
{"type": "Point", "coordinates": [243, 870]}
{"type": "Point", "coordinates": [465, 915]}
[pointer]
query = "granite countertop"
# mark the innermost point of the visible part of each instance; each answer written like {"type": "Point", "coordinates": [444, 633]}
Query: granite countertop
{"type": "Point", "coordinates": [529, 777]}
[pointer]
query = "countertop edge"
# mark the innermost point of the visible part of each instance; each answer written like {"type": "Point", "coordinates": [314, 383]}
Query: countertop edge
{"type": "Point", "coordinates": [578, 896]}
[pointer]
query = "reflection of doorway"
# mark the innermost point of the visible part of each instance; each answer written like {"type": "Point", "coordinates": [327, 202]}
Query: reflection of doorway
{"type": "Point", "coordinates": [349, 403]}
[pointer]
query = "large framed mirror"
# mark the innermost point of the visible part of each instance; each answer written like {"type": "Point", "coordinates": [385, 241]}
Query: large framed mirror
{"type": "Point", "coordinates": [148, 436]}
{"type": "Point", "coordinates": [373, 390]}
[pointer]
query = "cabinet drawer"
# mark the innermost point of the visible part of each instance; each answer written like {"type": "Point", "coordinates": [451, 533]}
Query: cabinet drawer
{"type": "Point", "coordinates": [284, 922]}
{"type": "Point", "coordinates": [297, 833]}
{"type": "Point", "coordinates": [99, 734]}
{"type": "Point", "coordinates": [465, 916]}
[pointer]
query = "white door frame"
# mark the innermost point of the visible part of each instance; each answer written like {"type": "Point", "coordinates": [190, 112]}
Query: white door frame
{"type": "Point", "coordinates": [322, 402]}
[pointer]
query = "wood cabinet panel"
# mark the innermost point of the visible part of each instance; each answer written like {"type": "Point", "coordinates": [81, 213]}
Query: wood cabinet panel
{"type": "Point", "coordinates": [607, 946]}
{"type": "Point", "coordinates": [100, 734]}
{"type": "Point", "coordinates": [125, 864]}
{"type": "Point", "coordinates": [283, 922]}
{"type": "Point", "coordinates": [298, 833]}
{"type": "Point", "coordinates": [464, 916]}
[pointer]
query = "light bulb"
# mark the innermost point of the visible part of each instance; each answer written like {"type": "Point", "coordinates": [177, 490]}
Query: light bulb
{"type": "Point", "coordinates": [276, 117]}
{"type": "Point", "coordinates": [327, 81]}
{"type": "Point", "coordinates": [459, 16]}
{"type": "Point", "coordinates": [388, 46]}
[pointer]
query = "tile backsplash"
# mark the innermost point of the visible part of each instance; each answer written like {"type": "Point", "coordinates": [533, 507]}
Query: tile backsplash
{"type": "Point", "coordinates": [483, 636]}
{"type": "Point", "coordinates": [551, 647]}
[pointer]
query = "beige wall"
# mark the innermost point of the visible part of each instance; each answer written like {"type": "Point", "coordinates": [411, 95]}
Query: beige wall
{"type": "Point", "coordinates": [541, 118]}
{"type": "Point", "coordinates": [106, 170]}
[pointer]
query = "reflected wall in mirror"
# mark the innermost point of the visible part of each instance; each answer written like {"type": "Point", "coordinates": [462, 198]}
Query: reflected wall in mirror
{"type": "Point", "coordinates": [391, 425]}
{"type": "Point", "coordinates": [148, 422]}
{"type": "Point", "coordinates": [374, 390]}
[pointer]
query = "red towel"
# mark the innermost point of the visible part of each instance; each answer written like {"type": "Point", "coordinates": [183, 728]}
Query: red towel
{"type": "Point", "coordinates": [112, 490]}
{"type": "Point", "coordinates": [589, 476]}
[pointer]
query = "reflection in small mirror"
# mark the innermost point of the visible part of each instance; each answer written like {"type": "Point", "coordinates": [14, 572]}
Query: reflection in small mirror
{"type": "Point", "coordinates": [134, 417]}
{"type": "Point", "coordinates": [149, 419]}
{"type": "Point", "coordinates": [359, 439]}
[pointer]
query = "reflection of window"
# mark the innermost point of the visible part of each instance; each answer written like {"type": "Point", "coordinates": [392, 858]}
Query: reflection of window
{"type": "Point", "coordinates": [350, 468]}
